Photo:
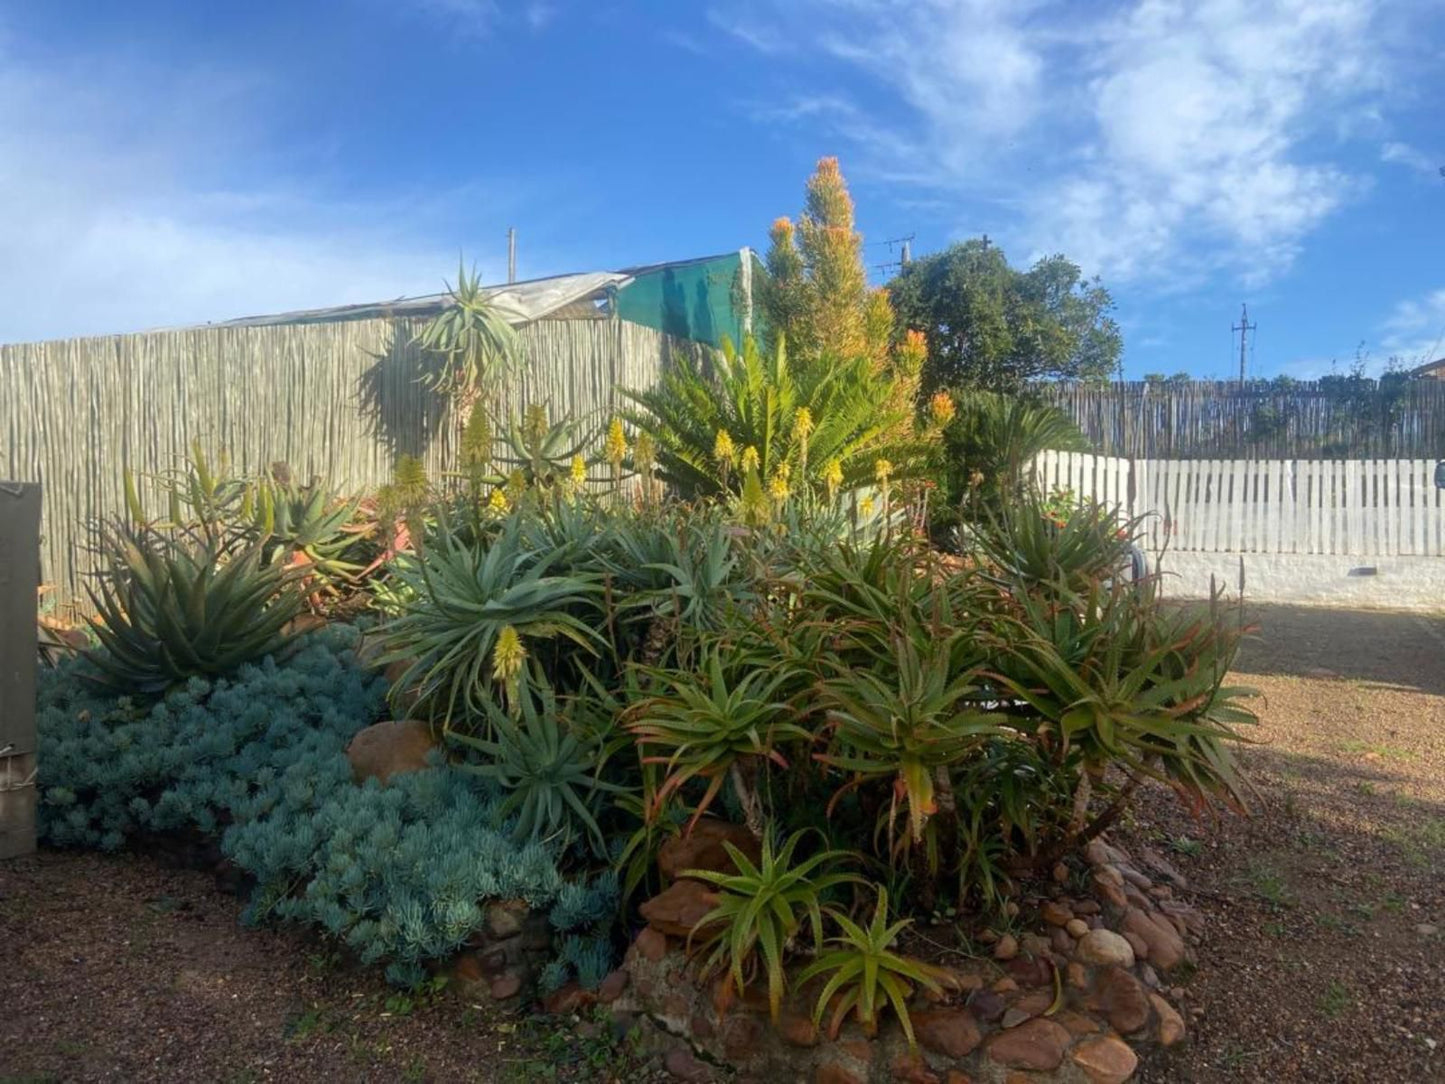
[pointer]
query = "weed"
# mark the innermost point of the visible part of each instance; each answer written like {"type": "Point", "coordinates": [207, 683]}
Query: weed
{"type": "Point", "coordinates": [304, 1025]}
{"type": "Point", "coordinates": [1336, 999]}
{"type": "Point", "coordinates": [1191, 848]}
{"type": "Point", "coordinates": [1394, 903]}
{"type": "Point", "coordinates": [1366, 788]}
{"type": "Point", "coordinates": [1382, 752]}
{"type": "Point", "coordinates": [1270, 886]}
{"type": "Point", "coordinates": [415, 1070]}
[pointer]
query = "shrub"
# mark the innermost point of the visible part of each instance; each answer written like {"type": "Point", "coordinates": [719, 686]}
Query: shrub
{"type": "Point", "coordinates": [397, 873]}
{"type": "Point", "coordinates": [171, 607]}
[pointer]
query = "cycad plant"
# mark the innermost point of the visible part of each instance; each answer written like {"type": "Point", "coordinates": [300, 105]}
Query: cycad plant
{"type": "Point", "coordinates": [770, 418]}
{"type": "Point", "coordinates": [182, 605]}
{"type": "Point", "coordinates": [761, 910]}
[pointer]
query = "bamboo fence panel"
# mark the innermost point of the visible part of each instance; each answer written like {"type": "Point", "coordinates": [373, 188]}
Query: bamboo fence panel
{"type": "Point", "coordinates": [1207, 419]}
{"type": "Point", "coordinates": [339, 400]}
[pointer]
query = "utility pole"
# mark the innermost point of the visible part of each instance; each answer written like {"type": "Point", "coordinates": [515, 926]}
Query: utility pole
{"type": "Point", "coordinates": [1244, 327]}
{"type": "Point", "coordinates": [906, 253]}
{"type": "Point", "coordinates": [511, 254]}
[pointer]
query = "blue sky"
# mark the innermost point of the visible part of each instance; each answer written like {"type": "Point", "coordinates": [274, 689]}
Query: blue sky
{"type": "Point", "coordinates": [175, 162]}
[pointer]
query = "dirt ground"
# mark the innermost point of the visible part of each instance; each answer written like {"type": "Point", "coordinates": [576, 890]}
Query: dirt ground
{"type": "Point", "coordinates": [1324, 960]}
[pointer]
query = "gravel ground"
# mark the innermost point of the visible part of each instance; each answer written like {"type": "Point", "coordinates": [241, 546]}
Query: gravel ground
{"type": "Point", "coordinates": [1325, 954]}
{"type": "Point", "coordinates": [117, 968]}
{"type": "Point", "coordinates": [1324, 960]}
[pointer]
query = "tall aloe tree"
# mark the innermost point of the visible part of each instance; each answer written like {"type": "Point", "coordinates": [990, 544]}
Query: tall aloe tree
{"type": "Point", "coordinates": [469, 345]}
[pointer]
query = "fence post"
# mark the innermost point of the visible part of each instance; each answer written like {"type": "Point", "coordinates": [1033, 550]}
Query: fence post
{"type": "Point", "coordinates": [19, 582]}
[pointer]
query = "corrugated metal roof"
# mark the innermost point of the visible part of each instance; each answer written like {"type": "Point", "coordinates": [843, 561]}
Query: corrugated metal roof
{"type": "Point", "coordinates": [523, 302]}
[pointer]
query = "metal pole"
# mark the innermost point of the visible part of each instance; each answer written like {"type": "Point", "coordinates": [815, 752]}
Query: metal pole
{"type": "Point", "coordinates": [19, 584]}
{"type": "Point", "coordinates": [511, 253]}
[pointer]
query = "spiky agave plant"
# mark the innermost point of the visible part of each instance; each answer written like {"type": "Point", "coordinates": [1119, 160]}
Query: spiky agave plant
{"type": "Point", "coordinates": [174, 606]}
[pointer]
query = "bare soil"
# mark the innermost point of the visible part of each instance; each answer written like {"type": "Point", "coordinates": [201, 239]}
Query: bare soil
{"type": "Point", "coordinates": [1325, 954]}
{"type": "Point", "coordinates": [1324, 960]}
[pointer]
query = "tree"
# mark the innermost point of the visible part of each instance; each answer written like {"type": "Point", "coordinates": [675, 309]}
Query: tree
{"type": "Point", "coordinates": [991, 326]}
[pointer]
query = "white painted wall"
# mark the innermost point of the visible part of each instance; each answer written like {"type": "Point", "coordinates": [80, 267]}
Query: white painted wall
{"type": "Point", "coordinates": [1310, 579]}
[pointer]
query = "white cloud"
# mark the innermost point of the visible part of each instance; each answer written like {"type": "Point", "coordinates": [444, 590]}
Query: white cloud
{"type": "Point", "coordinates": [1152, 140]}
{"type": "Point", "coordinates": [1415, 329]}
{"type": "Point", "coordinates": [133, 201]}
{"type": "Point", "coordinates": [1412, 158]}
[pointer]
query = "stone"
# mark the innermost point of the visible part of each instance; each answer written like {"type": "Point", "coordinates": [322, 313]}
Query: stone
{"type": "Point", "coordinates": [1105, 948]}
{"type": "Point", "coordinates": [1060, 873]}
{"type": "Point", "coordinates": [1007, 947]}
{"type": "Point", "coordinates": [951, 1032]}
{"type": "Point", "coordinates": [1159, 892]}
{"type": "Point", "coordinates": [703, 849]}
{"type": "Point", "coordinates": [1106, 1059]}
{"type": "Point", "coordinates": [677, 909]}
{"type": "Point", "coordinates": [1038, 1044]}
{"type": "Point", "coordinates": [1060, 940]}
{"type": "Point", "coordinates": [1109, 875]}
{"type": "Point", "coordinates": [1166, 947]}
{"type": "Point", "coordinates": [505, 918]}
{"type": "Point", "coordinates": [1192, 919]}
{"type": "Point", "coordinates": [611, 988]}
{"type": "Point", "coordinates": [912, 1069]}
{"type": "Point", "coordinates": [1077, 1023]}
{"type": "Point", "coordinates": [1005, 985]}
{"type": "Point", "coordinates": [835, 1072]}
{"type": "Point", "coordinates": [1085, 907]}
{"type": "Point", "coordinates": [987, 1006]}
{"type": "Point", "coordinates": [406, 699]}
{"type": "Point", "coordinates": [1123, 999]}
{"type": "Point", "coordinates": [1135, 878]}
{"type": "Point", "coordinates": [1011, 909]}
{"type": "Point", "coordinates": [651, 944]}
{"type": "Point", "coordinates": [681, 1064]}
{"type": "Point", "coordinates": [858, 1049]}
{"type": "Point", "coordinates": [1140, 946]}
{"type": "Point", "coordinates": [506, 986]}
{"type": "Point", "coordinates": [1055, 913]}
{"type": "Point", "coordinates": [1033, 944]}
{"type": "Point", "coordinates": [567, 998]}
{"type": "Point", "coordinates": [1076, 928]}
{"type": "Point", "coordinates": [957, 1076]}
{"type": "Point", "coordinates": [1013, 1016]}
{"type": "Point", "coordinates": [1171, 1024]}
{"type": "Point", "coordinates": [1427, 929]}
{"type": "Point", "coordinates": [1031, 971]}
{"type": "Point", "coordinates": [1157, 864]}
{"type": "Point", "coordinates": [1077, 975]}
{"type": "Point", "coordinates": [467, 970]}
{"type": "Point", "coordinates": [797, 1029]}
{"type": "Point", "coordinates": [988, 937]}
{"type": "Point", "coordinates": [1096, 852]}
{"type": "Point", "coordinates": [382, 750]}
{"type": "Point", "coordinates": [1113, 895]}
{"type": "Point", "coordinates": [742, 1036]}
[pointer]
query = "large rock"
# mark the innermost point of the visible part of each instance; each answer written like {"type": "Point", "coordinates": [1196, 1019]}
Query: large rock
{"type": "Point", "coordinates": [1038, 1044]}
{"type": "Point", "coordinates": [385, 749]}
{"type": "Point", "coordinates": [1123, 999]}
{"type": "Point", "coordinates": [1105, 948]}
{"type": "Point", "coordinates": [1166, 947]}
{"type": "Point", "coordinates": [953, 1032]}
{"type": "Point", "coordinates": [678, 909]}
{"type": "Point", "coordinates": [702, 848]}
{"type": "Point", "coordinates": [1106, 1060]}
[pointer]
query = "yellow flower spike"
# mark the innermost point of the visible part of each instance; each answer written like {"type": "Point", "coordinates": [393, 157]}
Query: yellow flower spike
{"type": "Point", "coordinates": [508, 654]}
{"type": "Point", "coordinates": [941, 408]}
{"type": "Point", "coordinates": [498, 503]}
{"type": "Point", "coordinates": [516, 485]}
{"type": "Point", "coordinates": [778, 486]}
{"type": "Point", "coordinates": [803, 422]}
{"type": "Point", "coordinates": [723, 448]}
{"type": "Point", "coordinates": [644, 452]}
{"type": "Point", "coordinates": [865, 507]}
{"type": "Point", "coordinates": [579, 471]}
{"type": "Point", "coordinates": [616, 443]}
{"type": "Point", "coordinates": [833, 477]}
{"type": "Point", "coordinates": [882, 470]}
{"type": "Point", "coordinates": [750, 458]}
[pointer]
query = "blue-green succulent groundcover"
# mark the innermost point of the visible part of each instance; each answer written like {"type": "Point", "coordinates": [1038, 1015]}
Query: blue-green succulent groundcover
{"type": "Point", "coordinates": [400, 873]}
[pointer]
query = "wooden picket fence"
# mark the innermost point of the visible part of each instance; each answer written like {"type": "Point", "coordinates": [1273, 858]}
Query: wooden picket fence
{"type": "Point", "coordinates": [1356, 507]}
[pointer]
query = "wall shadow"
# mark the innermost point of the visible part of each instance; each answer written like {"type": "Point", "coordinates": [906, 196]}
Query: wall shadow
{"type": "Point", "coordinates": [402, 413]}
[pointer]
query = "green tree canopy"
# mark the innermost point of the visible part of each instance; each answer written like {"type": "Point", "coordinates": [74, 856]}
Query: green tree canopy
{"type": "Point", "coordinates": [991, 326]}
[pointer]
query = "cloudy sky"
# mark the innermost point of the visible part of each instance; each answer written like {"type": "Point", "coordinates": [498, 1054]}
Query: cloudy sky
{"type": "Point", "coordinates": [173, 162]}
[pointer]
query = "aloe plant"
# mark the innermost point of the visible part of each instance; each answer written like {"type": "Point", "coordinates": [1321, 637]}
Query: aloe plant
{"type": "Point", "coordinates": [471, 597]}
{"type": "Point", "coordinates": [701, 729]}
{"type": "Point", "coordinates": [172, 607]}
{"type": "Point", "coordinates": [865, 974]}
{"type": "Point", "coordinates": [549, 771]}
{"type": "Point", "coordinates": [761, 909]}
{"type": "Point", "coordinates": [307, 527]}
